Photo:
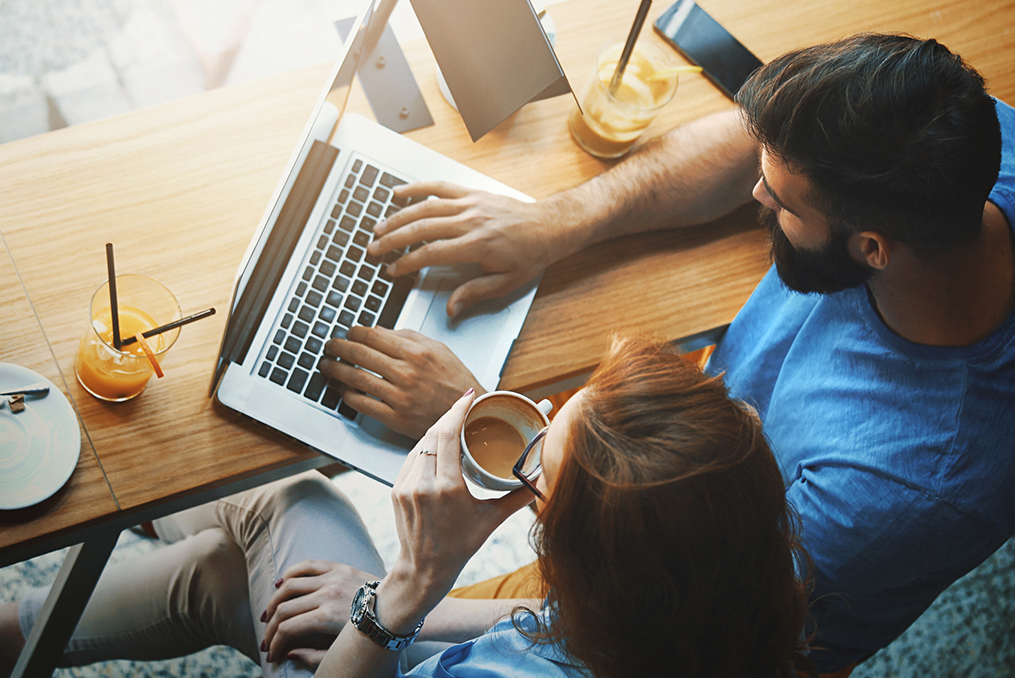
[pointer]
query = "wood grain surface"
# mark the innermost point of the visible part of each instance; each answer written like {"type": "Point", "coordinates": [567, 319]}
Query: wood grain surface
{"type": "Point", "coordinates": [86, 498]}
{"type": "Point", "coordinates": [179, 189]}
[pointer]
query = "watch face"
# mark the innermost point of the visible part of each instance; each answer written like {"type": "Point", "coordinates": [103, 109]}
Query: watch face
{"type": "Point", "coordinates": [362, 617]}
{"type": "Point", "coordinates": [359, 605]}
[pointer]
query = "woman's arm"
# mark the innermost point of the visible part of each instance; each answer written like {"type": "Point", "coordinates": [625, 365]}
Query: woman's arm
{"type": "Point", "coordinates": [456, 620]}
{"type": "Point", "coordinates": [440, 526]}
{"type": "Point", "coordinates": [315, 596]}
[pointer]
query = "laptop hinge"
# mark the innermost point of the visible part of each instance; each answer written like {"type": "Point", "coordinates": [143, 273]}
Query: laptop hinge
{"type": "Point", "coordinates": [278, 250]}
{"type": "Point", "coordinates": [388, 83]}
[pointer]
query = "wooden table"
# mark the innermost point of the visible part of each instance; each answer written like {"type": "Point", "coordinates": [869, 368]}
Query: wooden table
{"type": "Point", "coordinates": [180, 187]}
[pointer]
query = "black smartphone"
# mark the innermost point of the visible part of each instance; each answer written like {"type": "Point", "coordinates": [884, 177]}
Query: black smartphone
{"type": "Point", "coordinates": [705, 43]}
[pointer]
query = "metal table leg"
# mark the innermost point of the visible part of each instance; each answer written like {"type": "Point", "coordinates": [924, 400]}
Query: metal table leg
{"type": "Point", "coordinates": [66, 602]}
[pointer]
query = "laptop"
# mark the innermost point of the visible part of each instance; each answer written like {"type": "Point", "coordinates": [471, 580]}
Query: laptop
{"type": "Point", "coordinates": [306, 278]}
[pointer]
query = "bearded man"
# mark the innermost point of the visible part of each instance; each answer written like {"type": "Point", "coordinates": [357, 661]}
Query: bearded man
{"type": "Point", "coordinates": [879, 351]}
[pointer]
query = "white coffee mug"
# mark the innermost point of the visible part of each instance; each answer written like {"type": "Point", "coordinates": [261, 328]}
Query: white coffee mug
{"type": "Point", "coordinates": [497, 444]}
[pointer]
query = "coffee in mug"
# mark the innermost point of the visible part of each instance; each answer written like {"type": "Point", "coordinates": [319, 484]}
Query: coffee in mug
{"type": "Point", "coordinates": [494, 445]}
{"type": "Point", "coordinates": [497, 428]}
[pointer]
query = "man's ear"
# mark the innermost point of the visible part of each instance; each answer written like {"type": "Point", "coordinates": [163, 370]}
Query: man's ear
{"type": "Point", "coordinates": [872, 248]}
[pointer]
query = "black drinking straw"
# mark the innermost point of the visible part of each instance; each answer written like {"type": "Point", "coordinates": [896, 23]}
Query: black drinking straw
{"type": "Point", "coordinates": [172, 326]}
{"type": "Point", "coordinates": [113, 310]}
{"type": "Point", "coordinates": [639, 21]}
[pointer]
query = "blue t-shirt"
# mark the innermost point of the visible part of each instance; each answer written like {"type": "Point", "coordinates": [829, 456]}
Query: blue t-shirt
{"type": "Point", "coordinates": [900, 458]}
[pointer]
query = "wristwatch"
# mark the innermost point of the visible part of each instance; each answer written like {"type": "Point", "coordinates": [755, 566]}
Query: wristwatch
{"type": "Point", "coordinates": [364, 617]}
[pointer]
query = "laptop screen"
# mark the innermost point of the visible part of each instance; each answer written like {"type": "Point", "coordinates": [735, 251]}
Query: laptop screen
{"type": "Point", "coordinates": [285, 217]}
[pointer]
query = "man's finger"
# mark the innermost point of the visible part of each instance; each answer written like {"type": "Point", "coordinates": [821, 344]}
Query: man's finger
{"type": "Point", "coordinates": [380, 339]}
{"type": "Point", "coordinates": [371, 407]}
{"type": "Point", "coordinates": [442, 189]}
{"type": "Point", "coordinates": [358, 379]}
{"type": "Point", "coordinates": [423, 216]}
{"type": "Point", "coordinates": [355, 352]}
{"type": "Point", "coordinates": [436, 253]}
{"type": "Point", "coordinates": [476, 290]}
{"type": "Point", "coordinates": [439, 189]}
{"type": "Point", "coordinates": [430, 221]}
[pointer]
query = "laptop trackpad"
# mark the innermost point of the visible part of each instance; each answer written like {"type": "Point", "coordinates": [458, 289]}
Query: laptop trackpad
{"type": "Point", "coordinates": [473, 335]}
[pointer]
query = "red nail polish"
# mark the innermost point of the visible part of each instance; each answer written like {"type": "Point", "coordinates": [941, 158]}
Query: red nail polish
{"type": "Point", "coordinates": [264, 647]}
{"type": "Point", "coordinates": [469, 392]}
{"type": "Point", "coordinates": [264, 616]}
{"type": "Point", "coordinates": [279, 582]}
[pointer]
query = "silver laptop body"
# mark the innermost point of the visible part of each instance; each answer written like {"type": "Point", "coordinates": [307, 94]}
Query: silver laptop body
{"type": "Point", "coordinates": [305, 278]}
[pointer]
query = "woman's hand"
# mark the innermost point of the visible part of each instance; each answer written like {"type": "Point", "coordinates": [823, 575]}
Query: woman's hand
{"type": "Point", "coordinates": [309, 609]}
{"type": "Point", "coordinates": [440, 524]}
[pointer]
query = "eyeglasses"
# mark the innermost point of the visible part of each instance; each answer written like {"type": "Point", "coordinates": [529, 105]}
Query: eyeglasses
{"type": "Point", "coordinates": [529, 465]}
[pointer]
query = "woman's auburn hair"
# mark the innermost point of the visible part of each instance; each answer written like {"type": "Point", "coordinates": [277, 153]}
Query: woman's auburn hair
{"type": "Point", "coordinates": [667, 546]}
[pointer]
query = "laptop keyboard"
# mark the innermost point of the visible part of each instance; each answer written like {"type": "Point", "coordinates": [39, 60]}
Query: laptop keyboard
{"type": "Point", "coordinates": [340, 287]}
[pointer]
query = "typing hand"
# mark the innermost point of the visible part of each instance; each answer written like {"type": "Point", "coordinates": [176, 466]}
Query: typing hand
{"type": "Point", "coordinates": [440, 525]}
{"type": "Point", "coordinates": [512, 241]}
{"type": "Point", "coordinates": [309, 609]}
{"type": "Point", "coordinates": [419, 378]}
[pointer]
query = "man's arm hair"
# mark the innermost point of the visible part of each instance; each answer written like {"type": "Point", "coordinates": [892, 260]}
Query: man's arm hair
{"type": "Point", "coordinates": [692, 175]}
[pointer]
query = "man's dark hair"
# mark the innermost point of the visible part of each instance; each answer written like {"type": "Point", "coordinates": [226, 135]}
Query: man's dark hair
{"type": "Point", "coordinates": [895, 134]}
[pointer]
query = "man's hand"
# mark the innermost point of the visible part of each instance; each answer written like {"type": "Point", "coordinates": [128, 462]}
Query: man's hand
{"type": "Point", "coordinates": [309, 609]}
{"type": "Point", "coordinates": [419, 378]}
{"type": "Point", "coordinates": [512, 241]}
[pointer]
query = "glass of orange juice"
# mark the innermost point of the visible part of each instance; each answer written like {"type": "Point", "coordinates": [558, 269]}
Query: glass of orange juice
{"type": "Point", "coordinates": [609, 123]}
{"type": "Point", "coordinates": [115, 374]}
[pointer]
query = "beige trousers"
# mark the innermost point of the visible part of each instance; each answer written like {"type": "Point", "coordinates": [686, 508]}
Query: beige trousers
{"type": "Point", "coordinates": [211, 584]}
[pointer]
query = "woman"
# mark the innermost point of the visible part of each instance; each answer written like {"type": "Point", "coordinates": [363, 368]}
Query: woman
{"type": "Point", "coordinates": [664, 540]}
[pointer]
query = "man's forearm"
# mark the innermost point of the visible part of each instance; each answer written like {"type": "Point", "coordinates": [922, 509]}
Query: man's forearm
{"type": "Point", "coordinates": [691, 175]}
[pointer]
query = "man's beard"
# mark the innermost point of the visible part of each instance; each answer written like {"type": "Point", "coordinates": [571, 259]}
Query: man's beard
{"type": "Point", "coordinates": [830, 269]}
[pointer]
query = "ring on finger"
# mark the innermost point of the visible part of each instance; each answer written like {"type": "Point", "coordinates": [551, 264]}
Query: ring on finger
{"type": "Point", "coordinates": [427, 452]}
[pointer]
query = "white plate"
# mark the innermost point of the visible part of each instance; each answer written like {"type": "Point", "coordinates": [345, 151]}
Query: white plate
{"type": "Point", "coordinates": [39, 448]}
